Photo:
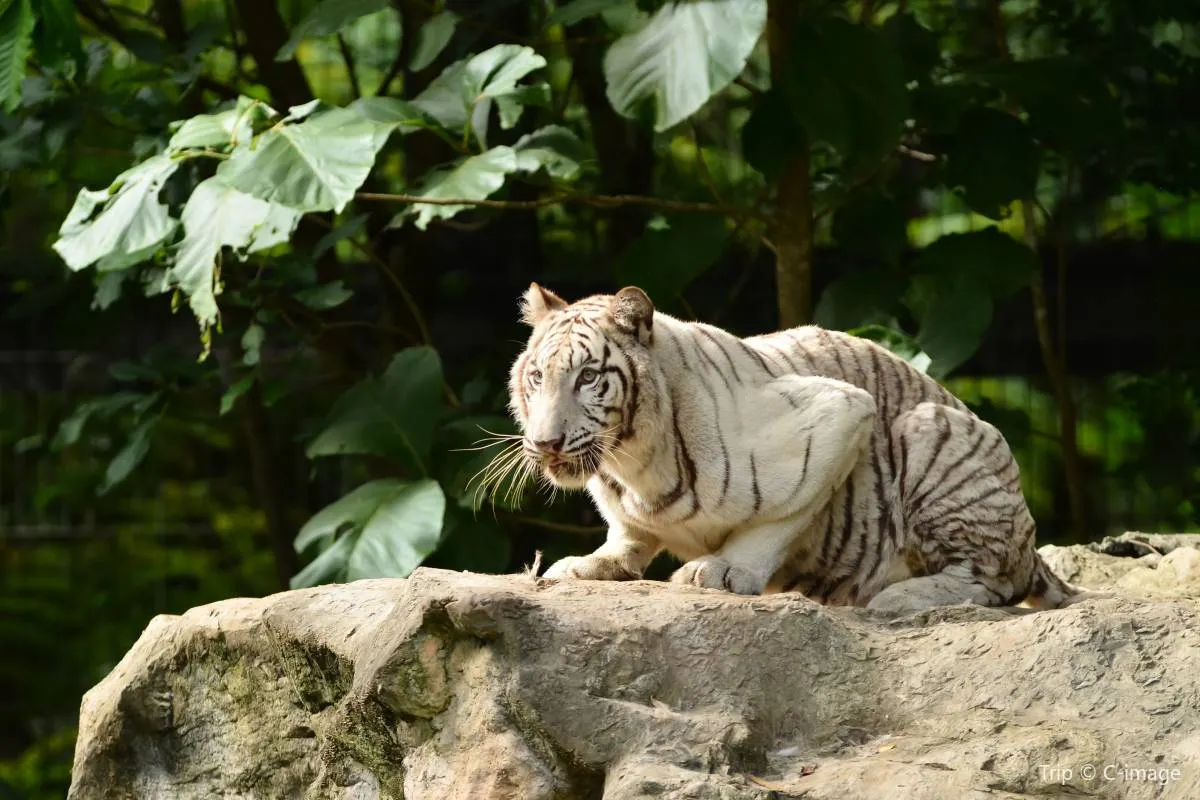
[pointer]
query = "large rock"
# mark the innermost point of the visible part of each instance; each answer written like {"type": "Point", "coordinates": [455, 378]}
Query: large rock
{"type": "Point", "coordinates": [454, 685]}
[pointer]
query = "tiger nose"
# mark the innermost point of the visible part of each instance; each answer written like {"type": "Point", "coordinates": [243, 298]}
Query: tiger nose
{"type": "Point", "coordinates": [550, 447]}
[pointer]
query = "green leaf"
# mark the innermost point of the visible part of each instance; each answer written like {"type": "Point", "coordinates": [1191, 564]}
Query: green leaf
{"type": "Point", "coordinates": [401, 533]}
{"type": "Point", "coordinates": [688, 52]}
{"type": "Point", "coordinates": [330, 16]}
{"type": "Point", "coordinates": [994, 158]}
{"type": "Point", "coordinates": [859, 298]}
{"type": "Point", "coordinates": [230, 398]}
{"type": "Point", "coordinates": [392, 416]}
{"type": "Point", "coordinates": [315, 165]}
{"type": "Point", "coordinates": [223, 129]}
{"type": "Point", "coordinates": [432, 38]}
{"type": "Point", "coordinates": [665, 262]}
{"type": "Point", "coordinates": [473, 178]}
{"type": "Point", "coordinates": [350, 512]}
{"type": "Point", "coordinates": [252, 342]}
{"type": "Point", "coordinates": [952, 319]}
{"type": "Point", "coordinates": [465, 90]}
{"type": "Point", "coordinates": [554, 148]}
{"type": "Point", "coordinates": [131, 223]}
{"type": "Point", "coordinates": [405, 116]}
{"type": "Point", "coordinates": [846, 86]}
{"type": "Point", "coordinates": [989, 258]}
{"type": "Point", "coordinates": [16, 29]}
{"type": "Point", "coordinates": [216, 216]}
{"type": "Point", "coordinates": [125, 461]}
{"type": "Point", "coordinates": [57, 36]}
{"type": "Point", "coordinates": [325, 297]}
{"type": "Point", "coordinates": [108, 289]}
{"type": "Point", "coordinates": [72, 427]}
{"type": "Point", "coordinates": [579, 10]}
{"type": "Point", "coordinates": [329, 566]}
{"type": "Point", "coordinates": [347, 230]}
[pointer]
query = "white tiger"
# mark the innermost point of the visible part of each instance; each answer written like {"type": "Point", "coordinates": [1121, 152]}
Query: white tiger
{"type": "Point", "coordinates": [804, 460]}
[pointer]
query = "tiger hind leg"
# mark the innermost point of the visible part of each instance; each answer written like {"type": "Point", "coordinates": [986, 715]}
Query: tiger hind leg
{"type": "Point", "coordinates": [969, 536]}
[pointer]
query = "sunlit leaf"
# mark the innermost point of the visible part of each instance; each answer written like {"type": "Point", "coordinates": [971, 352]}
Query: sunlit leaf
{"type": "Point", "coordinates": [223, 129]}
{"type": "Point", "coordinates": [130, 218]}
{"type": "Point", "coordinates": [401, 533]}
{"type": "Point", "coordinates": [473, 178]}
{"type": "Point", "coordinates": [688, 52]}
{"type": "Point", "coordinates": [554, 148]}
{"type": "Point", "coordinates": [252, 342]}
{"type": "Point", "coordinates": [315, 165]}
{"type": "Point", "coordinates": [329, 16]}
{"type": "Point", "coordinates": [388, 528]}
{"type": "Point", "coordinates": [216, 216]}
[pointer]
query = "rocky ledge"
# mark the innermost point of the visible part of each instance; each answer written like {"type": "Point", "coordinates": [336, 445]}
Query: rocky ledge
{"type": "Point", "coordinates": [455, 685]}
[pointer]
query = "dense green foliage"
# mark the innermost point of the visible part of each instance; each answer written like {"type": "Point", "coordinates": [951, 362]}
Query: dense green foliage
{"type": "Point", "coordinates": [347, 196]}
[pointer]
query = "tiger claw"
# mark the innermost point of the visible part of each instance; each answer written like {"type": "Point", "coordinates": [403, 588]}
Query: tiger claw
{"type": "Point", "coordinates": [714, 572]}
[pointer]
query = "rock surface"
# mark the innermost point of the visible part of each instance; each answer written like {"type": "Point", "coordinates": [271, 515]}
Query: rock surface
{"type": "Point", "coordinates": [455, 685]}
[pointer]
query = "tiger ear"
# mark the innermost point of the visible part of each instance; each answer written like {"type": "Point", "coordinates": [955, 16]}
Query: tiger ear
{"type": "Point", "coordinates": [633, 313]}
{"type": "Point", "coordinates": [537, 303]}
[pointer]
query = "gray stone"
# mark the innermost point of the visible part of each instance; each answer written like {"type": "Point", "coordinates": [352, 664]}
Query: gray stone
{"type": "Point", "coordinates": [455, 685]}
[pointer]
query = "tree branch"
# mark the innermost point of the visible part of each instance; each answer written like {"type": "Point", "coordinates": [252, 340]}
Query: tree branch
{"type": "Point", "coordinates": [284, 79]}
{"type": "Point", "coordinates": [594, 200]}
{"type": "Point", "coordinates": [792, 233]}
{"type": "Point", "coordinates": [348, 58]}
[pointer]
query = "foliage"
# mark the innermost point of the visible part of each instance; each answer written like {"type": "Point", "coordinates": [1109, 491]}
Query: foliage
{"type": "Point", "coordinates": [349, 195]}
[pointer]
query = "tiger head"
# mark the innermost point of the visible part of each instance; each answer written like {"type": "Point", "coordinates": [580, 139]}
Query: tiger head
{"type": "Point", "coordinates": [575, 388]}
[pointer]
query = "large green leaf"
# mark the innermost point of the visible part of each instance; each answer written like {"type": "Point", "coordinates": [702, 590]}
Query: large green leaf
{"type": "Point", "coordinates": [688, 52]}
{"type": "Point", "coordinates": [995, 261]}
{"type": "Point", "coordinates": [129, 456]}
{"type": "Point", "coordinates": [553, 147]}
{"type": "Point", "coordinates": [953, 319]}
{"type": "Point", "coordinates": [392, 416]}
{"type": "Point", "coordinates": [329, 16]}
{"type": "Point", "coordinates": [959, 278]}
{"type": "Point", "coordinates": [859, 298]}
{"type": "Point", "coordinates": [665, 262]}
{"type": "Point", "coordinates": [223, 129]}
{"type": "Point", "coordinates": [473, 178]}
{"type": "Point", "coordinates": [846, 87]}
{"type": "Point", "coordinates": [388, 527]}
{"type": "Point", "coordinates": [16, 29]}
{"type": "Point", "coordinates": [402, 532]}
{"type": "Point", "coordinates": [130, 225]}
{"type": "Point", "coordinates": [465, 90]}
{"type": "Point", "coordinates": [217, 216]}
{"type": "Point", "coordinates": [406, 117]}
{"type": "Point", "coordinates": [316, 165]}
{"type": "Point", "coordinates": [432, 38]}
{"type": "Point", "coordinates": [349, 512]}
{"type": "Point", "coordinates": [995, 159]}
{"type": "Point", "coordinates": [329, 566]}
{"type": "Point", "coordinates": [57, 35]}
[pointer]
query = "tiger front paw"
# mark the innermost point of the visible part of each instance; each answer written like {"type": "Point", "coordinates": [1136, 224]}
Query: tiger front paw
{"type": "Point", "coordinates": [714, 572]}
{"type": "Point", "coordinates": [589, 568]}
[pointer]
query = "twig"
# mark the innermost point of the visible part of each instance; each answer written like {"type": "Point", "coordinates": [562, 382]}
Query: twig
{"type": "Point", "coordinates": [595, 200]}
{"type": "Point", "coordinates": [392, 73]}
{"type": "Point", "coordinates": [348, 58]}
